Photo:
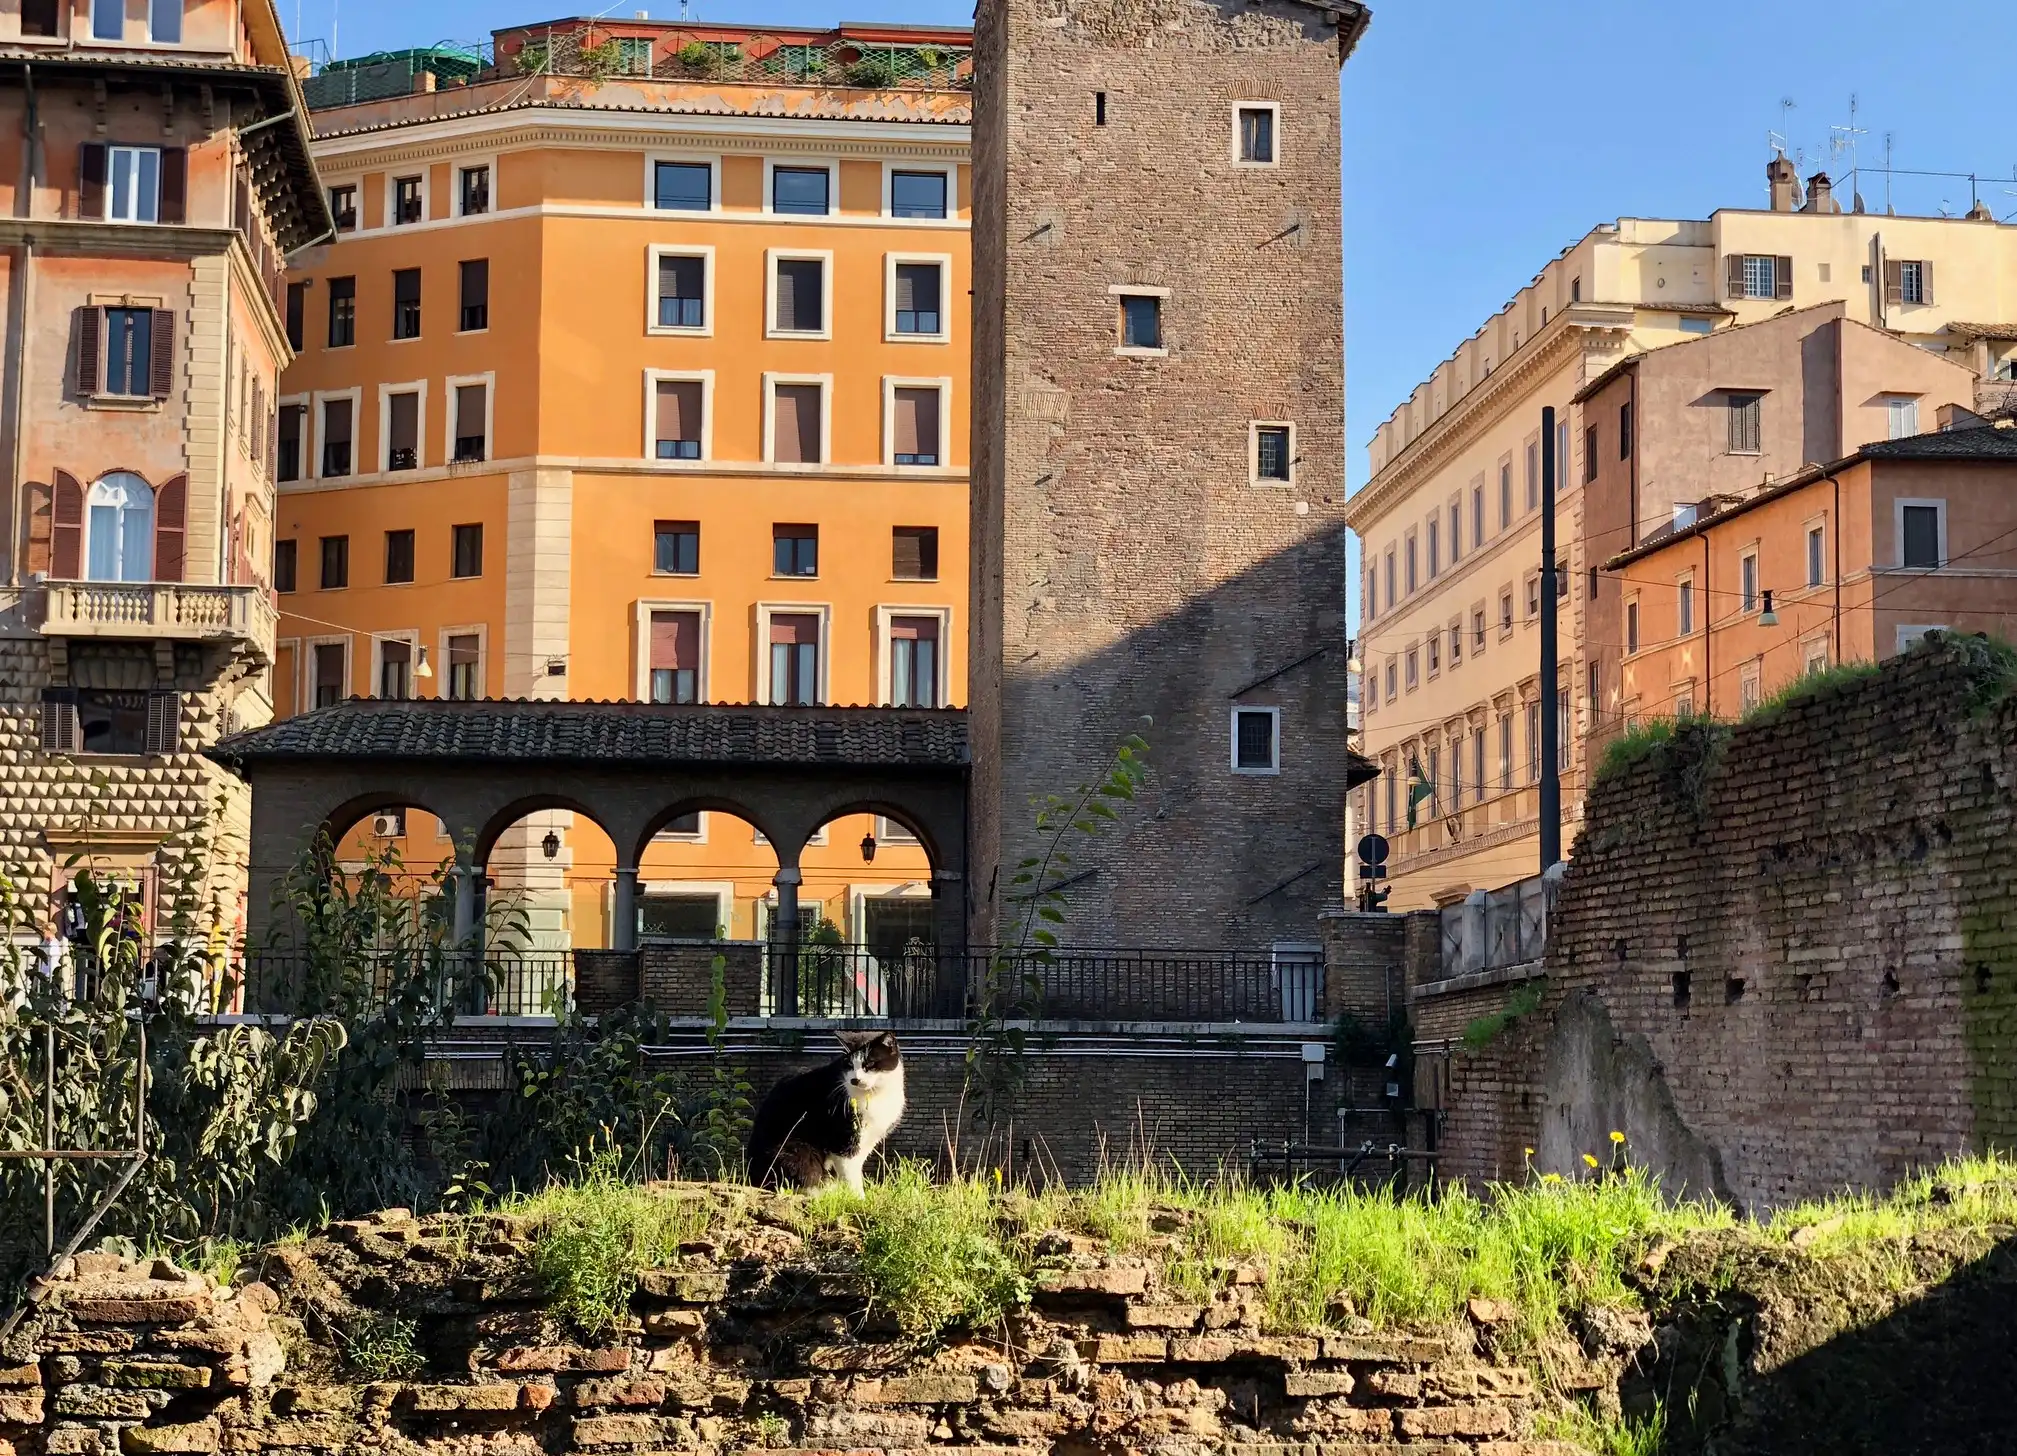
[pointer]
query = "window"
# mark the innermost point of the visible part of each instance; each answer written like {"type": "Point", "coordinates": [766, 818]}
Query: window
{"type": "Point", "coordinates": [1534, 742]}
{"type": "Point", "coordinates": [675, 548]}
{"type": "Point", "coordinates": [1747, 581]}
{"type": "Point", "coordinates": [395, 668]}
{"type": "Point", "coordinates": [408, 199]}
{"type": "Point", "coordinates": [1631, 627]}
{"type": "Point", "coordinates": [1505, 612]}
{"type": "Point", "coordinates": [1456, 771]}
{"type": "Point", "coordinates": [288, 464]}
{"type": "Point", "coordinates": [1257, 740]}
{"type": "Point", "coordinates": [335, 562]}
{"type": "Point", "coordinates": [1478, 765]}
{"type": "Point", "coordinates": [1589, 453]}
{"type": "Point", "coordinates": [1505, 750]}
{"type": "Point", "coordinates": [1392, 676]}
{"type": "Point", "coordinates": [1099, 108]}
{"type": "Point", "coordinates": [1533, 476]}
{"type": "Point", "coordinates": [1576, 289]}
{"type": "Point", "coordinates": [332, 671]}
{"type": "Point", "coordinates": [1921, 535]}
{"type": "Point", "coordinates": [794, 659]}
{"type": "Point", "coordinates": [1625, 430]}
{"type": "Point", "coordinates": [342, 312]}
{"type": "Point", "coordinates": [100, 720]}
{"type": "Point", "coordinates": [1456, 643]}
{"type": "Point", "coordinates": [1141, 321]}
{"type": "Point", "coordinates": [913, 662]}
{"type": "Point", "coordinates": [474, 196]}
{"type": "Point", "coordinates": [1817, 541]}
{"type": "Point", "coordinates": [1533, 597]}
{"type": "Point", "coordinates": [1747, 687]}
{"type": "Point", "coordinates": [402, 430]}
{"type": "Point", "coordinates": [917, 194]}
{"type": "Point", "coordinates": [297, 312]}
{"type": "Point", "coordinates": [1434, 649]}
{"type": "Point", "coordinates": [1390, 578]}
{"type": "Point", "coordinates": [336, 425]}
{"type": "Point", "coordinates": [683, 186]}
{"type": "Point", "coordinates": [284, 556]}
{"type": "Point", "coordinates": [794, 550]}
{"type": "Point", "coordinates": [1456, 534]}
{"type": "Point", "coordinates": [1915, 282]}
{"type": "Point", "coordinates": [1372, 590]}
{"type": "Point", "coordinates": [1414, 673]}
{"type": "Point", "coordinates": [1814, 656]}
{"type": "Point", "coordinates": [475, 312]}
{"type": "Point", "coordinates": [1755, 275]}
{"type": "Point", "coordinates": [398, 557]}
{"type": "Point", "coordinates": [465, 653]}
{"type": "Point", "coordinates": [914, 426]}
{"type": "Point", "coordinates": [797, 424]}
{"type": "Point", "coordinates": [917, 298]}
{"type": "Point", "coordinates": [119, 529]}
{"type": "Point", "coordinates": [1745, 411]}
{"type": "Point", "coordinates": [1902, 413]}
{"type": "Point", "coordinates": [675, 657]}
{"type": "Point", "coordinates": [1256, 136]}
{"type": "Point", "coordinates": [1413, 580]}
{"type": "Point", "coordinates": [682, 290]}
{"type": "Point", "coordinates": [343, 208]}
{"type": "Point", "coordinates": [1562, 737]}
{"type": "Point", "coordinates": [466, 551]}
{"type": "Point", "coordinates": [678, 917]}
{"type": "Point", "coordinates": [799, 296]}
{"type": "Point", "coordinates": [406, 303]}
{"type": "Point", "coordinates": [129, 351]}
{"type": "Point", "coordinates": [799, 190]}
{"type": "Point", "coordinates": [1562, 456]}
{"type": "Point", "coordinates": [472, 427]}
{"type": "Point", "coordinates": [679, 407]}
{"type": "Point", "coordinates": [1477, 631]}
{"type": "Point", "coordinates": [1435, 547]}
{"type": "Point", "coordinates": [38, 17]}
{"type": "Point", "coordinates": [1684, 606]}
{"type": "Point", "coordinates": [1910, 637]}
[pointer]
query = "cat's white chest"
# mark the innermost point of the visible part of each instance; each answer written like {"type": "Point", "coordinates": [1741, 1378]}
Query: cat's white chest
{"type": "Point", "coordinates": [878, 1109]}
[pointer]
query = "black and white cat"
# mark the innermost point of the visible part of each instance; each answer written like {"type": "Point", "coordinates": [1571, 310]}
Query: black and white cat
{"type": "Point", "coordinates": [822, 1125]}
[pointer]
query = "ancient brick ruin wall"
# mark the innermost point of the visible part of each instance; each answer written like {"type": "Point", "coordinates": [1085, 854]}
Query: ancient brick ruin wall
{"type": "Point", "coordinates": [752, 1342]}
{"type": "Point", "coordinates": [1791, 970]}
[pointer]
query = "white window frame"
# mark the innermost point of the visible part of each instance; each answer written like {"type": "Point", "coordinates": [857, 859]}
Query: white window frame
{"type": "Point", "coordinates": [111, 163]}
{"type": "Point", "coordinates": [858, 895]}
{"type": "Point", "coordinates": [1119, 291]}
{"type": "Point", "coordinates": [1898, 528]}
{"type": "Point", "coordinates": [355, 394]}
{"type": "Point", "coordinates": [1749, 594]}
{"type": "Point", "coordinates": [705, 377]}
{"type": "Point", "coordinates": [307, 405]}
{"type": "Point", "coordinates": [889, 267]}
{"type": "Point", "coordinates": [723, 892]}
{"type": "Point", "coordinates": [1917, 276]}
{"type": "Point", "coordinates": [488, 379]}
{"type": "Point", "coordinates": [393, 177]}
{"type": "Point", "coordinates": [950, 170]}
{"type": "Point", "coordinates": [771, 258]}
{"type": "Point", "coordinates": [710, 160]}
{"type": "Point", "coordinates": [797, 164]}
{"type": "Point", "coordinates": [770, 383]}
{"type": "Point", "coordinates": [1771, 262]}
{"type": "Point", "coordinates": [1896, 405]}
{"type": "Point", "coordinates": [1233, 747]}
{"type": "Point", "coordinates": [1635, 626]}
{"type": "Point", "coordinates": [455, 171]}
{"type": "Point", "coordinates": [704, 252]}
{"type": "Point", "coordinates": [891, 383]}
{"type": "Point", "coordinates": [91, 36]}
{"type": "Point", "coordinates": [1750, 685]}
{"type": "Point", "coordinates": [1816, 525]}
{"type": "Point", "coordinates": [1685, 624]}
{"type": "Point", "coordinates": [305, 697]}
{"type": "Point", "coordinates": [764, 612]}
{"type": "Point", "coordinates": [699, 835]}
{"type": "Point", "coordinates": [356, 185]}
{"type": "Point", "coordinates": [1910, 633]}
{"type": "Point", "coordinates": [640, 648]}
{"type": "Point", "coordinates": [885, 615]}
{"type": "Point", "coordinates": [1814, 649]}
{"type": "Point", "coordinates": [1275, 131]}
{"type": "Point", "coordinates": [1254, 476]}
{"type": "Point", "coordinates": [411, 637]}
{"type": "Point", "coordinates": [481, 633]}
{"type": "Point", "coordinates": [385, 393]}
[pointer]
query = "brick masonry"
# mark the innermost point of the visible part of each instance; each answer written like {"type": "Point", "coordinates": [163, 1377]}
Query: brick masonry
{"type": "Point", "coordinates": [1785, 971]}
{"type": "Point", "coordinates": [1125, 567]}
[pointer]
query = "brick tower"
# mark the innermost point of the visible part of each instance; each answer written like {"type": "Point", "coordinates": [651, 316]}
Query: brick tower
{"type": "Point", "coordinates": [1158, 457]}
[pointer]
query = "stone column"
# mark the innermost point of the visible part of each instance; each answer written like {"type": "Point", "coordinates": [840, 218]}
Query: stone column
{"type": "Point", "coordinates": [949, 921]}
{"type": "Point", "coordinates": [623, 934]}
{"type": "Point", "coordinates": [784, 943]}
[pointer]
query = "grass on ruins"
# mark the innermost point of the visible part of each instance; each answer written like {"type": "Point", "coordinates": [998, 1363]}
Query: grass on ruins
{"type": "Point", "coordinates": [937, 1253]}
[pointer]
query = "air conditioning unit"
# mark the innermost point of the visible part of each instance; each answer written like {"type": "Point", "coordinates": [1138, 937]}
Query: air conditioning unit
{"type": "Point", "coordinates": [387, 826]}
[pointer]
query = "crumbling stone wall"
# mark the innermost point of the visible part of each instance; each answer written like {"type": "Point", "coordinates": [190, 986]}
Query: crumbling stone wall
{"type": "Point", "coordinates": [1802, 949]}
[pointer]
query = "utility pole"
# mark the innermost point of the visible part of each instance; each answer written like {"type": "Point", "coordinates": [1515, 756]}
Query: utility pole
{"type": "Point", "coordinates": [1551, 723]}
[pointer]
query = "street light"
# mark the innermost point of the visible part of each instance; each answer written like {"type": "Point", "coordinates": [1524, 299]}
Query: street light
{"type": "Point", "coordinates": [1768, 617]}
{"type": "Point", "coordinates": [868, 847]}
{"type": "Point", "coordinates": [550, 846]}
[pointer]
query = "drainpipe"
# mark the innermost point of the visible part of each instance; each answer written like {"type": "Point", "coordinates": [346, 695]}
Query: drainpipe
{"type": "Point", "coordinates": [1708, 636]}
{"type": "Point", "coordinates": [1835, 528]}
{"type": "Point", "coordinates": [1877, 282]}
{"type": "Point", "coordinates": [17, 348]}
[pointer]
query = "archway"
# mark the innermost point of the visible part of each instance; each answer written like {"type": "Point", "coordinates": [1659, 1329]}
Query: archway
{"type": "Point", "coordinates": [870, 939]}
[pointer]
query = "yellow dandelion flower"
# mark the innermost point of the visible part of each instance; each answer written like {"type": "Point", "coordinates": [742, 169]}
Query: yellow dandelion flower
{"type": "Point", "coordinates": [1616, 1136]}
{"type": "Point", "coordinates": [1590, 1160]}
{"type": "Point", "coordinates": [1528, 1151]}
{"type": "Point", "coordinates": [1551, 1177]}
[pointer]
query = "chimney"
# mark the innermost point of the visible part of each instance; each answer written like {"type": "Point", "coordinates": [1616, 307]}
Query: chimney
{"type": "Point", "coordinates": [1785, 183]}
{"type": "Point", "coordinates": [424, 81]}
{"type": "Point", "coordinates": [1821, 195]}
{"type": "Point", "coordinates": [1980, 212]}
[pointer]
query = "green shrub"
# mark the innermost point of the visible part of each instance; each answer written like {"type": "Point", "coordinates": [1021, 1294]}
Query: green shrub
{"type": "Point", "coordinates": [1484, 1030]}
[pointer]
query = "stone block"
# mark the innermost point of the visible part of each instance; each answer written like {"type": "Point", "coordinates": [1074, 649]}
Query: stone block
{"type": "Point", "coordinates": [102, 1403]}
{"type": "Point", "coordinates": [1481, 1419]}
{"type": "Point", "coordinates": [677, 1324]}
{"type": "Point", "coordinates": [915, 1390]}
{"type": "Point", "coordinates": [620, 1392]}
{"type": "Point", "coordinates": [167, 1309]}
{"type": "Point", "coordinates": [687, 1286]}
{"type": "Point", "coordinates": [1385, 1349]}
{"type": "Point", "coordinates": [1119, 1280]}
{"type": "Point", "coordinates": [24, 1408]}
{"type": "Point", "coordinates": [1164, 1316]}
{"type": "Point", "coordinates": [194, 1436]}
{"type": "Point", "coordinates": [29, 1374]}
{"type": "Point", "coordinates": [455, 1399]}
{"type": "Point", "coordinates": [1217, 1349]}
{"type": "Point", "coordinates": [160, 1375]}
{"type": "Point", "coordinates": [1130, 1349]}
{"type": "Point", "coordinates": [595, 1431]}
{"type": "Point", "coordinates": [1317, 1384]}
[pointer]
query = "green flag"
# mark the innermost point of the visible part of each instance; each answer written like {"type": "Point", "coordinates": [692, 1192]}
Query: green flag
{"type": "Point", "coordinates": [1419, 787]}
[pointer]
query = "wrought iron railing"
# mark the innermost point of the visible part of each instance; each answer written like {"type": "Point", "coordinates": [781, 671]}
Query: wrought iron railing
{"type": "Point", "coordinates": [425, 982]}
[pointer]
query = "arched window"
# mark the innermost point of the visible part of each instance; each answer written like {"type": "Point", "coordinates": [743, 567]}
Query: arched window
{"type": "Point", "coordinates": [119, 529]}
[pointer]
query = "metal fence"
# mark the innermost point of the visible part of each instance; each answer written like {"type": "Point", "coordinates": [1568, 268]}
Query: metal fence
{"type": "Point", "coordinates": [1494, 929]}
{"type": "Point", "coordinates": [432, 982]}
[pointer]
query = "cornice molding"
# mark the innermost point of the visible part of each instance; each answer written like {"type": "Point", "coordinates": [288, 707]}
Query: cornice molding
{"type": "Point", "coordinates": [679, 131]}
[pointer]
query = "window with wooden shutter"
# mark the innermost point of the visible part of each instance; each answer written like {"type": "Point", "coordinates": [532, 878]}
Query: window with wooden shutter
{"type": "Point", "coordinates": [164, 722]}
{"type": "Point", "coordinates": [90, 333]}
{"type": "Point", "coordinates": [174, 184]}
{"type": "Point", "coordinates": [794, 659]}
{"type": "Point", "coordinates": [161, 372]}
{"type": "Point", "coordinates": [801, 295]}
{"type": "Point", "coordinates": [1745, 423]}
{"type": "Point", "coordinates": [403, 431]}
{"type": "Point", "coordinates": [472, 431]}
{"type": "Point", "coordinates": [91, 171]}
{"type": "Point", "coordinates": [331, 673]}
{"type": "Point", "coordinates": [795, 424]}
{"type": "Point", "coordinates": [465, 667]}
{"type": "Point", "coordinates": [1782, 278]}
{"type": "Point", "coordinates": [917, 298]}
{"type": "Point", "coordinates": [66, 550]}
{"type": "Point", "coordinates": [914, 553]}
{"type": "Point", "coordinates": [675, 657]}
{"type": "Point", "coordinates": [682, 292]}
{"type": "Point", "coordinates": [1734, 269]}
{"type": "Point", "coordinates": [914, 427]}
{"type": "Point", "coordinates": [677, 432]}
{"type": "Point", "coordinates": [913, 662]}
{"type": "Point", "coordinates": [59, 720]}
{"type": "Point", "coordinates": [39, 17]}
{"type": "Point", "coordinates": [171, 507]}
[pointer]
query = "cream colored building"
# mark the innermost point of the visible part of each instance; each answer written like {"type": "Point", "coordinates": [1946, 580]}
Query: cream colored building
{"type": "Point", "coordinates": [1449, 522]}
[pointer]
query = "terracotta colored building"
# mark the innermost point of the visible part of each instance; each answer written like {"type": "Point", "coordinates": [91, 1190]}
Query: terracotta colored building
{"type": "Point", "coordinates": [1856, 559]}
{"type": "Point", "coordinates": [154, 171]}
{"type": "Point", "coordinates": [637, 369]}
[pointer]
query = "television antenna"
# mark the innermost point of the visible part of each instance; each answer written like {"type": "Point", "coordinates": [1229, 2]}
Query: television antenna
{"type": "Point", "coordinates": [1842, 139]}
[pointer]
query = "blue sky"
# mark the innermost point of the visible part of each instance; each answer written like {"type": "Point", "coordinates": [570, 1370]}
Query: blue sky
{"type": "Point", "coordinates": [1483, 136]}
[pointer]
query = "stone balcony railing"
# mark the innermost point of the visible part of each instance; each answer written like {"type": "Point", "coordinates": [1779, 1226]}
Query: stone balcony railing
{"type": "Point", "coordinates": [159, 609]}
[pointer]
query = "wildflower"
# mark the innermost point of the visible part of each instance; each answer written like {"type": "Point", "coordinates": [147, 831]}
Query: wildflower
{"type": "Point", "coordinates": [1551, 1177]}
{"type": "Point", "coordinates": [1528, 1151]}
{"type": "Point", "coordinates": [1616, 1136]}
{"type": "Point", "coordinates": [1590, 1160]}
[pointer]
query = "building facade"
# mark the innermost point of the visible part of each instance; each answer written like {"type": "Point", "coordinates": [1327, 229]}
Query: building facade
{"type": "Point", "coordinates": [638, 369]}
{"type": "Point", "coordinates": [154, 171]}
{"type": "Point", "coordinates": [1158, 482]}
{"type": "Point", "coordinates": [1449, 522]}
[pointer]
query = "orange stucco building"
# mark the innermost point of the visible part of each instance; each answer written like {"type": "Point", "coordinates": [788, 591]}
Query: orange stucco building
{"type": "Point", "coordinates": [636, 369]}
